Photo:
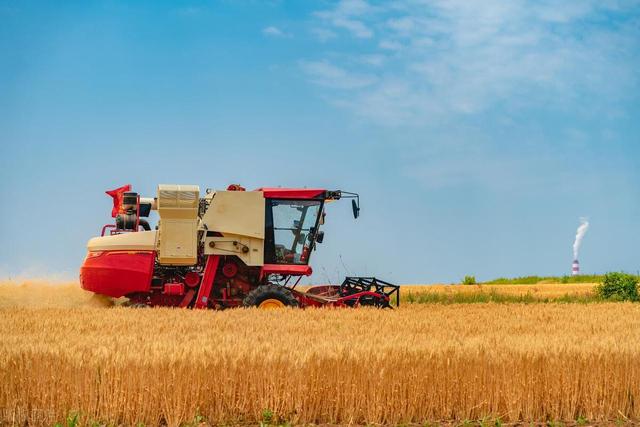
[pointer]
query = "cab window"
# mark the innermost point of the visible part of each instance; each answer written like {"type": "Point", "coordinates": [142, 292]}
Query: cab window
{"type": "Point", "coordinates": [290, 225]}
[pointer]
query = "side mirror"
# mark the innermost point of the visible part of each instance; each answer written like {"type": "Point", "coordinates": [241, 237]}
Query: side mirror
{"type": "Point", "coordinates": [320, 237]}
{"type": "Point", "coordinates": [355, 208]}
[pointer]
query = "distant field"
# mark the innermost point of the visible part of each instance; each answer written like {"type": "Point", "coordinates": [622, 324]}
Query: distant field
{"type": "Point", "coordinates": [547, 292]}
{"type": "Point", "coordinates": [534, 280]}
{"type": "Point", "coordinates": [41, 294]}
{"type": "Point", "coordinates": [545, 289]}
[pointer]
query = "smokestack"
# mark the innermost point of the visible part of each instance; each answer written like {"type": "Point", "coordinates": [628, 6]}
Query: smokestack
{"type": "Point", "coordinates": [582, 230]}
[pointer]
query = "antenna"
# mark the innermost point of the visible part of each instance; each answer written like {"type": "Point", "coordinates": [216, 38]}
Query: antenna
{"type": "Point", "coordinates": [326, 275]}
{"type": "Point", "coordinates": [344, 266]}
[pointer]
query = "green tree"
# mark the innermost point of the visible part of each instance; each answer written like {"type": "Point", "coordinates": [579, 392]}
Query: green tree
{"type": "Point", "coordinates": [469, 280]}
{"type": "Point", "coordinates": [618, 287]}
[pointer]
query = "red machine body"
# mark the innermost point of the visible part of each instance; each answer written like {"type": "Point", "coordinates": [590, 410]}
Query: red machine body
{"type": "Point", "coordinates": [221, 281]}
{"type": "Point", "coordinates": [117, 273]}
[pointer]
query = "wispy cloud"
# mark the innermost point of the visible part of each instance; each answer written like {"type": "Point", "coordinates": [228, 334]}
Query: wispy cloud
{"type": "Point", "coordinates": [454, 64]}
{"type": "Point", "coordinates": [347, 16]}
{"type": "Point", "coordinates": [461, 57]}
{"type": "Point", "coordinates": [328, 75]}
{"type": "Point", "coordinates": [374, 59]}
{"type": "Point", "coordinates": [272, 31]}
{"type": "Point", "coordinates": [323, 34]}
{"type": "Point", "coordinates": [189, 11]}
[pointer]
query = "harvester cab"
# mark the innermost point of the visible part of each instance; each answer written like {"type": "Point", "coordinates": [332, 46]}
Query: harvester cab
{"type": "Point", "coordinates": [226, 249]}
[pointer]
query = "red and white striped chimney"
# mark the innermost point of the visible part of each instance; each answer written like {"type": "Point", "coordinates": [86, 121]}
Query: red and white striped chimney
{"type": "Point", "coordinates": [575, 268]}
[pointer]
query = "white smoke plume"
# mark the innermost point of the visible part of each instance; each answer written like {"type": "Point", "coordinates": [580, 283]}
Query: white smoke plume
{"type": "Point", "coordinates": [582, 230]}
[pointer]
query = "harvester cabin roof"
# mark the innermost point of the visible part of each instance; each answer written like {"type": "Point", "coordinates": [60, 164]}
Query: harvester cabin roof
{"type": "Point", "coordinates": [292, 193]}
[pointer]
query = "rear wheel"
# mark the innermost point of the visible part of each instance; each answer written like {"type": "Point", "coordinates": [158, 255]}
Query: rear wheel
{"type": "Point", "coordinates": [269, 297]}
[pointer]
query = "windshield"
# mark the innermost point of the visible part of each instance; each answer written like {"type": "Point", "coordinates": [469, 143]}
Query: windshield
{"type": "Point", "coordinates": [290, 230]}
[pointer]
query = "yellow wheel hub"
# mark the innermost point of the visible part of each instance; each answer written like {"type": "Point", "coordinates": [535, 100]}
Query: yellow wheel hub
{"type": "Point", "coordinates": [271, 304]}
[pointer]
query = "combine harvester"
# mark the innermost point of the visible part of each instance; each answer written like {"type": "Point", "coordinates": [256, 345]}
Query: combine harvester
{"type": "Point", "coordinates": [227, 249]}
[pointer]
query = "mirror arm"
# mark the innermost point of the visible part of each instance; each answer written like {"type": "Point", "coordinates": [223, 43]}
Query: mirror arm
{"type": "Point", "coordinates": [355, 200]}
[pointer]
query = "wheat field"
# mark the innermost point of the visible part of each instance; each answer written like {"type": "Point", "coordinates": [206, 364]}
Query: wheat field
{"type": "Point", "coordinates": [541, 290]}
{"type": "Point", "coordinates": [416, 364]}
{"type": "Point", "coordinates": [40, 293]}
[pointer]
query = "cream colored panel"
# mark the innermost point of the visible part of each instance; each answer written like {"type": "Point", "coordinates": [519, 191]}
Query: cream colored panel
{"type": "Point", "coordinates": [236, 212]}
{"type": "Point", "coordinates": [141, 240]}
{"type": "Point", "coordinates": [178, 196]}
{"type": "Point", "coordinates": [178, 201]}
{"type": "Point", "coordinates": [178, 243]}
{"type": "Point", "coordinates": [178, 234]}
{"type": "Point", "coordinates": [248, 249]}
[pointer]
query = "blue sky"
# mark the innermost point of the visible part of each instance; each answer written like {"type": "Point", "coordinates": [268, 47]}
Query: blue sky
{"type": "Point", "coordinates": [477, 133]}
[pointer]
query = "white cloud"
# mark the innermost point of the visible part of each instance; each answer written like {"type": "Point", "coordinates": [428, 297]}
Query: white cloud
{"type": "Point", "coordinates": [328, 75]}
{"type": "Point", "coordinates": [403, 26]}
{"type": "Point", "coordinates": [189, 11]}
{"type": "Point", "coordinates": [372, 59]}
{"type": "Point", "coordinates": [358, 28]}
{"type": "Point", "coordinates": [347, 16]}
{"type": "Point", "coordinates": [481, 69]}
{"type": "Point", "coordinates": [389, 45]}
{"type": "Point", "coordinates": [450, 57]}
{"type": "Point", "coordinates": [323, 34]}
{"type": "Point", "coordinates": [272, 31]}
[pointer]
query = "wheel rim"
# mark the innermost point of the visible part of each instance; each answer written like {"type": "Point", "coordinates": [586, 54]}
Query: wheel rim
{"type": "Point", "coordinates": [271, 304]}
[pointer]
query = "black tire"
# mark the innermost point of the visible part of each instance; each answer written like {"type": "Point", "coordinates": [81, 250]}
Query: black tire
{"type": "Point", "coordinates": [372, 301]}
{"type": "Point", "coordinates": [385, 304]}
{"type": "Point", "coordinates": [270, 291]}
{"type": "Point", "coordinates": [381, 303]}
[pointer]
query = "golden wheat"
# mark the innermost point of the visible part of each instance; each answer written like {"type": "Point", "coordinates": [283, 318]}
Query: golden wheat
{"type": "Point", "coordinates": [418, 363]}
{"type": "Point", "coordinates": [42, 294]}
{"type": "Point", "coordinates": [541, 290]}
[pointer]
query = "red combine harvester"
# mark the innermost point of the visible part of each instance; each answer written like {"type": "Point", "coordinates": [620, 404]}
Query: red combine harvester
{"type": "Point", "coordinates": [227, 249]}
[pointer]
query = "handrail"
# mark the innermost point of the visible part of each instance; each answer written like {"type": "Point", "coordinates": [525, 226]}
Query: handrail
{"type": "Point", "coordinates": [105, 229]}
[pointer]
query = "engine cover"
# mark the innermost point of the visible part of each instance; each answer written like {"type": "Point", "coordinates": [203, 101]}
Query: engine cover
{"type": "Point", "coordinates": [117, 273]}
